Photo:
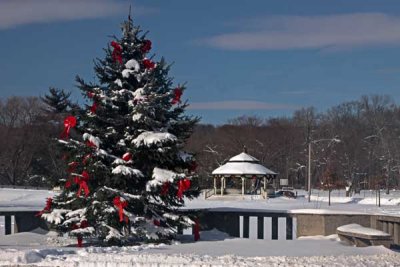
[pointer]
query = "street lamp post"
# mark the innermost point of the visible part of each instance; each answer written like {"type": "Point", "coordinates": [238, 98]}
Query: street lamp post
{"type": "Point", "coordinates": [309, 171]}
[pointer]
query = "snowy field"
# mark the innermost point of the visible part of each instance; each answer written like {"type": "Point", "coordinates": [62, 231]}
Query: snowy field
{"type": "Point", "coordinates": [215, 248]}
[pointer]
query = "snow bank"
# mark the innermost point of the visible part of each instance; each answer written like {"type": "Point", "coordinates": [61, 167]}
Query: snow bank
{"type": "Point", "coordinates": [333, 199]}
{"type": "Point", "coordinates": [384, 201]}
{"type": "Point", "coordinates": [221, 251]}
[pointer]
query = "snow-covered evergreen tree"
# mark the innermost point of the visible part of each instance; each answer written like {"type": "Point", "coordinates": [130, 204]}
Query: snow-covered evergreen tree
{"type": "Point", "coordinates": [128, 170]}
{"type": "Point", "coordinates": [57, 101]}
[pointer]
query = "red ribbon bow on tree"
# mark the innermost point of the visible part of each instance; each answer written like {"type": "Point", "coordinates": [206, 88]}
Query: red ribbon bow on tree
{"type": "Point", "coordinates": [120, 205]}
{"type": "Point", "coordinates": [94, 107]}
{"type": "Point", "coordinates": [49, 201]}
{"type": "Point", "coordinates": [177, 96]}
{"type": "Point", "coordinates": [69, 122]}
{"type": "Point", "coordinates": [82, 182]}
{"type": "Point", "coordinates": [127, 156]}
{"type": "Point", "coordinates": [165, 188]}
{"type": "Point", "coordinates": [160, 223]}
{"type": "Point", "coordinates": [90, 144]}
{"type": "Point", "coordinates": [87, 156]}
{"type": "Point", "coordinates": [72, 166]}
{"type": "Point", "coordinates": [90, 94]}
{"type": "Point", "coordinates": [117, 52]}
{"type": "Point", "coordinates": [82, 225]}
{"type": "Point", "coordinates": [148, 64]}
{"type": "Point", "coordinates": [193, 166]}
{"type": "Point", "coordinates": [196, 230]}
{"type": "Point", "coordinates": [183, 185]}
{"type": "Point", "coordinates": [146, 46]}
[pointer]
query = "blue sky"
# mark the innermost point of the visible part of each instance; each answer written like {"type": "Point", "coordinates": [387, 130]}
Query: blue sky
{"type": "Point", "coordinates": [262, 57]}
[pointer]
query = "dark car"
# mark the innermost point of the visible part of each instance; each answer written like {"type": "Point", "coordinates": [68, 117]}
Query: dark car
{"type": "Point", "coordinates": [285, 193]}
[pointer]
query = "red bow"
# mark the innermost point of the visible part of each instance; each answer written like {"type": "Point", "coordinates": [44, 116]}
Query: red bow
{"type": "Point", "coordinates": [90, 94]}
{"type": "Point", "coordinates": [146, 46]}
{"type": "Point", "coordinates": [90, 144]}
{"type": "Point", "coordinates": [120, 205]}
{"type": "Point", "coordinates": [94, 107]}
{"type": "Point", "coordinates": [69, 122]}
{"type": "Point", "coordinates": [165, 189]}
{"type": "Point", "coordinates": [148, 64]}
{"type": "Point", "coordinates": [196, 230]}
{"type": "Point", "coordinates": [68, 184]}
{"type": "Point", "coordinates": [72, 166]}
{"type": "Point", "coordinates": [87, 157]}
{"type": "Point", "coordinates": [117, 52]}
{"type": "Point", "coordinates": [127, 156]}
{"type": "Point", "coordinates": [193, 166]}
{"type": "Point", "coordinates": [83, 224]}
{"type": "Point", "coordinates": [177, 96]}
{"type": "Point", "coordinates": [156, 222]}
{"type": "Point", "coordinates": [160, 223]}
{"type": "Point", "coordinates": [82, 181]}
{"type": "Point", "coordinates": [183, 185]}
{"type": "Point", "coordinates": [49, 201]}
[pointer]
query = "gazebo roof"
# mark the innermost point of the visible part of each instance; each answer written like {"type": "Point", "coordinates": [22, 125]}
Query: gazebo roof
{"type": "Point", "coordinates": [243, 164]}
{"type": "Point", "coordinates": [243, 157]}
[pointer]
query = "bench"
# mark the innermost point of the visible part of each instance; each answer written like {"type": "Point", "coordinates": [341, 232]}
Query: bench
{"type": "Point", "coordinates": [355, 234]}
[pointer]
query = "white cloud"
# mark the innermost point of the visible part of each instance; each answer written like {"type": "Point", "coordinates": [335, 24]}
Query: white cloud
{"type": "Point", "coordinates": [238, 105]}
{"type": "Point", "coordinates": [19, 12]}
{"type": "Point", "coordinates": [311, 32]}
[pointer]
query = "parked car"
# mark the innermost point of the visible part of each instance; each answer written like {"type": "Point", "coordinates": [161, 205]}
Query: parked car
{"type": "Point", "coordinates": [285, 193]}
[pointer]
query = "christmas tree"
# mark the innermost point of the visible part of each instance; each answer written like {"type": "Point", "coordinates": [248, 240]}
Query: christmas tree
{"type": "Point", "coordinates": [128, 173]}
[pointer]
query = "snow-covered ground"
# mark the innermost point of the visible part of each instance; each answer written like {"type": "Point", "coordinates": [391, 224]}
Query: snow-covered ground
{"type": "Point", "coordinates": [26, 199]}
{"type": "Point", "coordinates": [23, 199]}
{"type": "Point", "coordinates": [216, 248]}
{"type": "Point", "coordinates": [319, 203]}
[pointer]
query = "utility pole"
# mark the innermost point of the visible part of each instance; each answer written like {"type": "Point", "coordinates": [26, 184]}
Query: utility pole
{"type": "Point", "coordinates": [309, 171]}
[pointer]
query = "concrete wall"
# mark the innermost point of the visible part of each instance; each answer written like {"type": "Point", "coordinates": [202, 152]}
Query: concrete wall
{"type": "Point", "coordinates": [326, 224]}
{"type": "Point", "coordinates": [310, 224]}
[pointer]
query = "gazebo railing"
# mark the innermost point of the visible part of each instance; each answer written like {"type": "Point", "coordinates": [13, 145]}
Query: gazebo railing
{"type": "Point", "coordinates": [208, 193]}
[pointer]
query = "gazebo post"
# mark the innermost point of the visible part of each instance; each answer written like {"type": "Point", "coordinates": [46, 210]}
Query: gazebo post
{"type": "Point", "coordinates": [215, 185]}
{"type": "Point", "coordinates": [222, 185]}
{"type": "Point", "coordinates": [243, 185]}
{"type": "Point", "coordinates": [265, 183]}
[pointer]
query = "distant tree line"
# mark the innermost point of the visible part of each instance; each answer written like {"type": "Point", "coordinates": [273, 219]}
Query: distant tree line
{"type": "Point", "coordinates": [357, 143]}
{"type": "Point", "coordinates": [29, 127]}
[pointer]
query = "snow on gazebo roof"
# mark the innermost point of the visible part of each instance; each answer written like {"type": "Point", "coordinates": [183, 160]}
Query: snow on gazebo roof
{"type": "Point", "coordinates": [243, 157]}
{"type": "Point", "coordinates": [243, 164]}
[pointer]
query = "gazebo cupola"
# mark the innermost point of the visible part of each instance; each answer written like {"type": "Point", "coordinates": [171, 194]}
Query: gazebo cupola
{"type": "Point", "coordinates": [242, 166]}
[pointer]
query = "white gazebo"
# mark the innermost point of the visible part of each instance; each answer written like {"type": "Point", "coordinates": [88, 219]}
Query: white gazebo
{"type": "Point", "coordinates": [242, 166]}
